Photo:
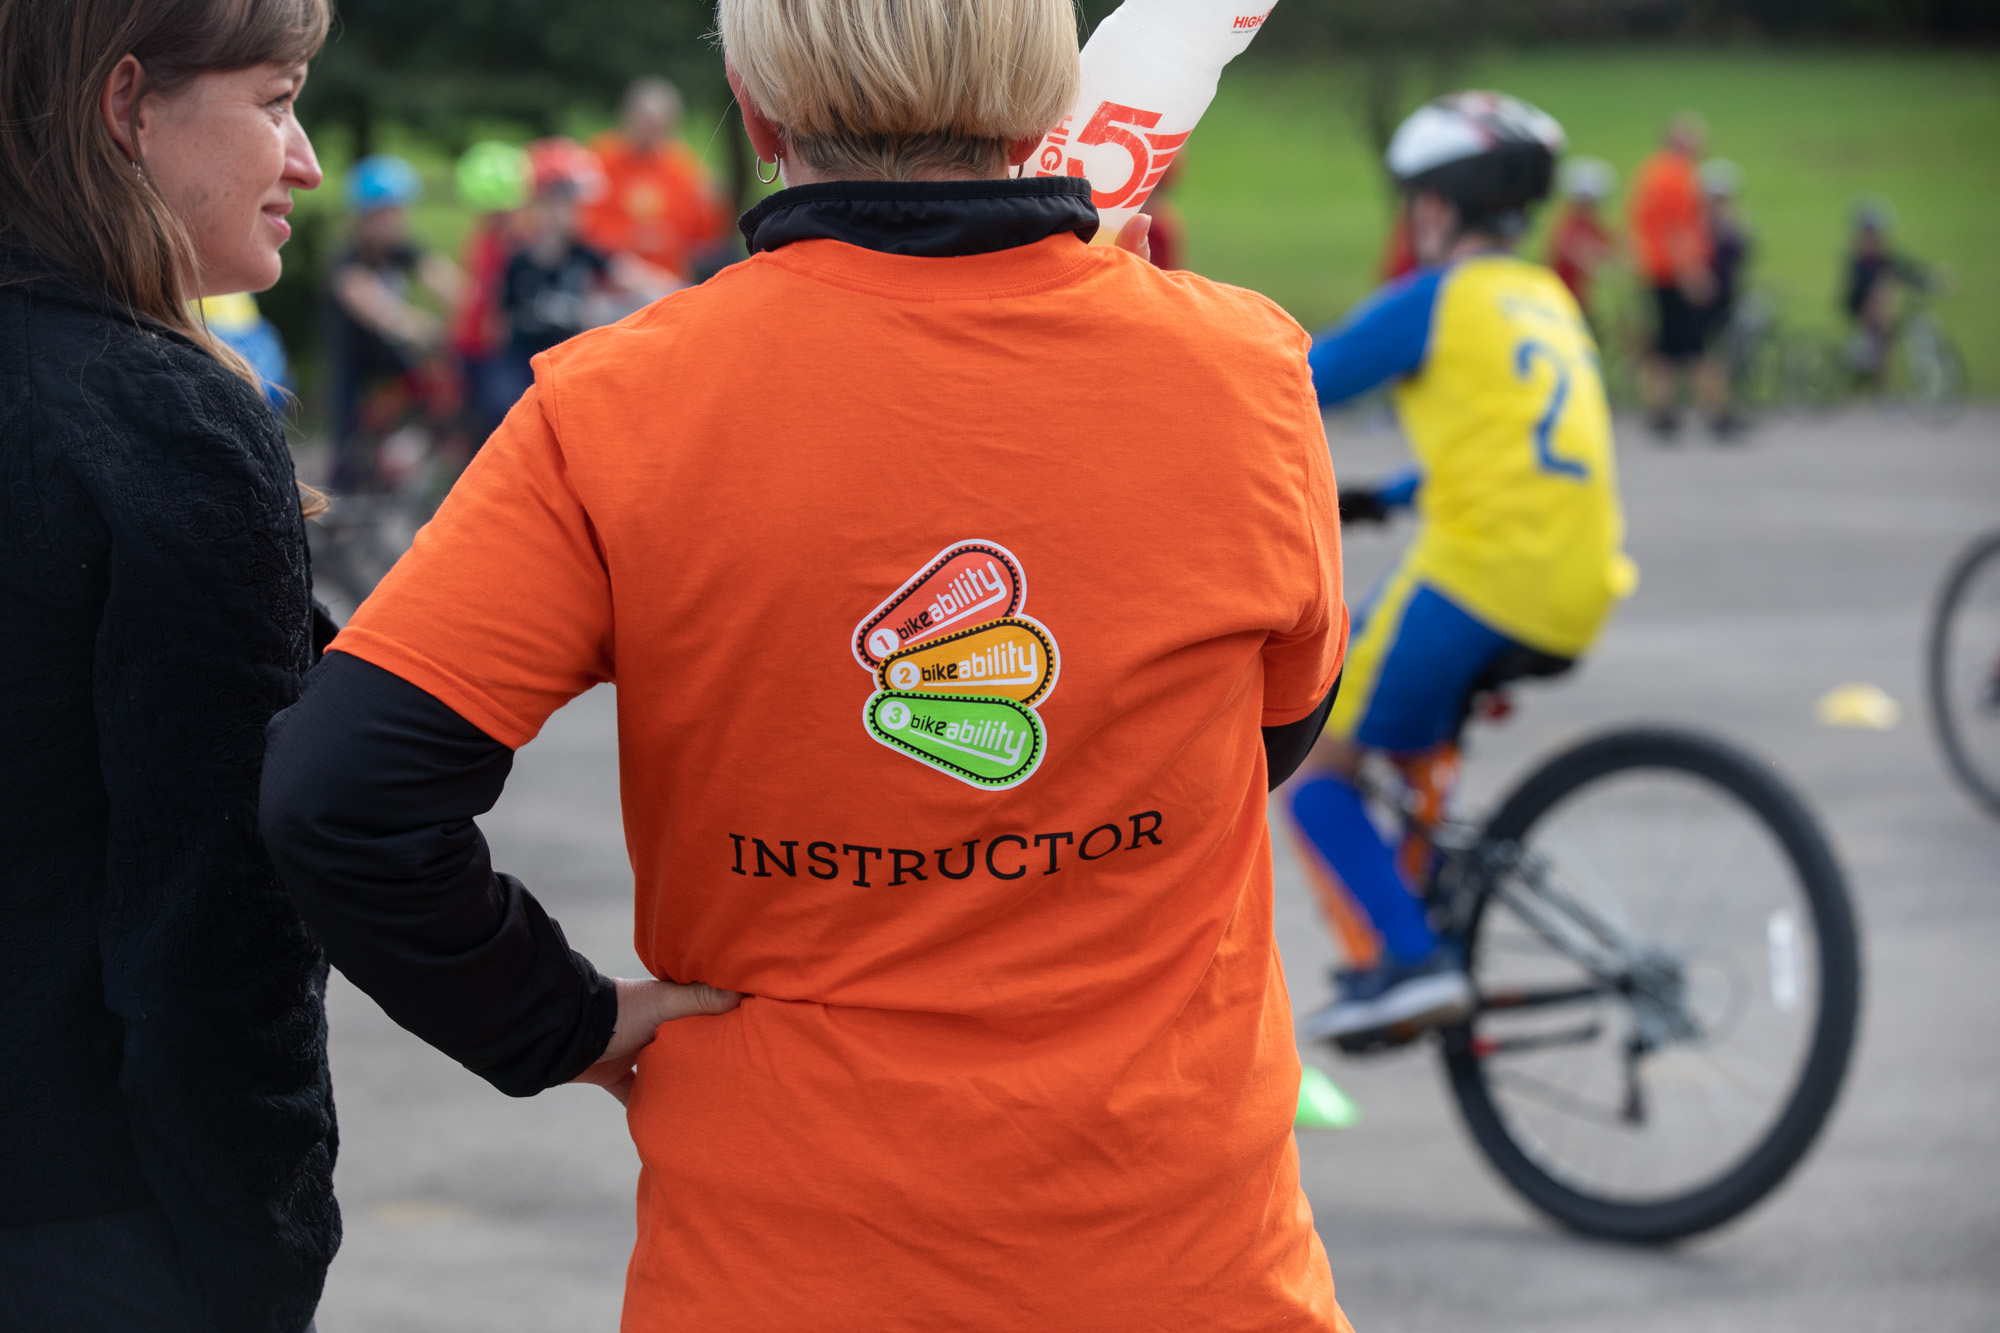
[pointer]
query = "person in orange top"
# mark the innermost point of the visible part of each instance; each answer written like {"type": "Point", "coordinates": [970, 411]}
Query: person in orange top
{"type": "Point", "coordinates": [966, 587]}
{"type": "Point", "coordinates": [658, 204]}
{"type": "Point", "coordinates": [1670, 235]}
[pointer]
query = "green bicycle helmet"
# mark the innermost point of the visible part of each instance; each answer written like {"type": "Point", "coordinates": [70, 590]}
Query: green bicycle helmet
{"type": "Point", "coordinates": [492, 176]}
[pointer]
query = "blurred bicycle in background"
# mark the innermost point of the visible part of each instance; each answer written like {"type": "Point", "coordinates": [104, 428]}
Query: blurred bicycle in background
{"type": "Point", "coordinates": [1964, 671]}
{"type": "Point", "coordinates": [1915, 363]}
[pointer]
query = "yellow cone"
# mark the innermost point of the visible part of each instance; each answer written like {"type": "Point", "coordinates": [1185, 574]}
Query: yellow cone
{"type": "Point", "coordinates": [1859, 705]}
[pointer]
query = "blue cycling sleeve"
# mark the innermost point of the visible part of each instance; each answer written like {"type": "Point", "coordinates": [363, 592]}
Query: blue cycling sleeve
{"type": "Point", "coordinates": [1399, 489]}
{"type": "Point", "coordinates": [1384, 338]}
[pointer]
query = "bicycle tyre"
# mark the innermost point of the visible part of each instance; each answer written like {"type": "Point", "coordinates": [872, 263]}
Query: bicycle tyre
{"type": "Point", "coordinates": [1983, 788]}
{"type": "Point", "coordinates": [1766, 1164]}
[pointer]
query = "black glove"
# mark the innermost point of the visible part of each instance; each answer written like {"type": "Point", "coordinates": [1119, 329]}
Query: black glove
{"type": "Point", "coordinates": [1362, 506]}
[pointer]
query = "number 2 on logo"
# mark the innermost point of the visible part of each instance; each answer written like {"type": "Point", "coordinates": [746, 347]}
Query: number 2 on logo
{"type": "Point", "coordinates": [1530, 351]}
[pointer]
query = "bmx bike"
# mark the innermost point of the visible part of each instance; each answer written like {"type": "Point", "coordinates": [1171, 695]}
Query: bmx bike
{"type": "Point", "coordinates": [1917, 365]}
{"type": "Point", "coordinates": [1964, 671]}
{"type": "Point", "coordinates": [1666, 967]}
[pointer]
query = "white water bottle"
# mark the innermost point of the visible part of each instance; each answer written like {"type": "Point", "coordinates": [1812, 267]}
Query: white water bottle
{"type": "Point", "coordinates": [1149, 71]}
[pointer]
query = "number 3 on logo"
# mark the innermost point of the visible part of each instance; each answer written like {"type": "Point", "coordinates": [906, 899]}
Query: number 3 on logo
{"type": "Point", "coordinates": [1526, 354]}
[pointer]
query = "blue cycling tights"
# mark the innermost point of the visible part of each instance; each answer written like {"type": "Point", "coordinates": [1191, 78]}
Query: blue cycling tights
{"type": "Point", "coordinates": [1330, 813]}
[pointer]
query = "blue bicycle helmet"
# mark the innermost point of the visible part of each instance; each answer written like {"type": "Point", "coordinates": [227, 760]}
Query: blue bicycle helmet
{"type": "Point", "coordinates": [382, 181]}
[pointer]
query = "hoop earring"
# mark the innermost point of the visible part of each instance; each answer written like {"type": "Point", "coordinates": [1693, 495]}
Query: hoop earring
{"type": "Point", "coordinates": [776, 167]}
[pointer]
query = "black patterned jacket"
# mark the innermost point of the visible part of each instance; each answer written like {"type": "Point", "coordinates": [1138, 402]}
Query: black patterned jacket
{"type": "Point", "coordinates": [162, 1019]}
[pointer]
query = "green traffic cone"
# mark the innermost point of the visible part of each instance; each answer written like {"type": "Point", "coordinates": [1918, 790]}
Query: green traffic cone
{"type": "Point", "coordinates": [1323, 1105]}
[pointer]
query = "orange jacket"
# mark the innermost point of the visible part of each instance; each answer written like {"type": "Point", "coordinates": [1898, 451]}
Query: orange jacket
{"type": "Point", "coordinates": [658, 205]}
{"type": "Point", "coordinates": [1669, 223]}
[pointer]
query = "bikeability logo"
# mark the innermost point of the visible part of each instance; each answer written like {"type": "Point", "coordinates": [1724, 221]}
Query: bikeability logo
{"type": "Point", "coordinates": [958, 668]}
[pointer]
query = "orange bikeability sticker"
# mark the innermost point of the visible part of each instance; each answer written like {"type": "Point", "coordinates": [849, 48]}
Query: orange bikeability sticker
{"type": "Point", "coordinates": [965, 584]}
{"type": "Point", "coordinates": [1011, 658]}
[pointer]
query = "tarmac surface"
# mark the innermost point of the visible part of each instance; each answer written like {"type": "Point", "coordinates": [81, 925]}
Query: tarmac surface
{"type": "Point", "coordinates": [1774, 570]}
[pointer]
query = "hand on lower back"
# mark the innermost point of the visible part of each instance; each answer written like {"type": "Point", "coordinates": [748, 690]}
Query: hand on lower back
{"type": "Point", "coordinates": [643, 1007]}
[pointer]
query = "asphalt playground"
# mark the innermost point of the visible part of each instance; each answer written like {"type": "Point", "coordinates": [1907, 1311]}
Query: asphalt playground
{"type": "Point", "coordinates": [1772, 571]}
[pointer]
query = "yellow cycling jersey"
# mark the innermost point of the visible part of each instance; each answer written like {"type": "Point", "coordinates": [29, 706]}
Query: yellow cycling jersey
{"type": "Point", "coordinates": [1499, 393]}
{"type": "Point", "coordinates": [1508, 420]}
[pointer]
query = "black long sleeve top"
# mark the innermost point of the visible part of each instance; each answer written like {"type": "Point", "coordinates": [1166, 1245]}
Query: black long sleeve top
{"type": "Point", "coordinates": [370, 792]}
{"type": "Point", "coordinates": [162, 1030]}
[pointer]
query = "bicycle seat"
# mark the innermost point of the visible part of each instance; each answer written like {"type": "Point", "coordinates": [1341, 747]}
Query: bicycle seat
{"type": "Point", "coordinates": [1519, 662]}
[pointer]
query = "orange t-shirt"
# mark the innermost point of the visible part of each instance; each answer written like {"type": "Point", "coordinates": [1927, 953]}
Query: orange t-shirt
{"type": "Point", "coordinates": [657, 205]}
{"type": "Point", "coordinates": [1669, 225]}
{"type": "Point", "coordinates": [945, 599]}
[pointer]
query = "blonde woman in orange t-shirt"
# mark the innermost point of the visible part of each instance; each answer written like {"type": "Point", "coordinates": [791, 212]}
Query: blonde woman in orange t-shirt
{"type": "Point", "coordinates": [966, 587]}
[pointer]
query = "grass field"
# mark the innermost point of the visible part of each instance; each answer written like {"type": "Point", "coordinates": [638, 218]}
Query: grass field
{"type": "Point", "coordinates": [1280, 192]}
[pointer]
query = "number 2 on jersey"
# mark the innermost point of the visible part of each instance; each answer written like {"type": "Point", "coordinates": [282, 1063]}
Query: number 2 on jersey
{"type": "Point", "coordinates": [1526, 354]}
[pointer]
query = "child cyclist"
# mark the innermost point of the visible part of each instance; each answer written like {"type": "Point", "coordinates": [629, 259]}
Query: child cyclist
{"type": "Point", "coordinates": [1496, 386]}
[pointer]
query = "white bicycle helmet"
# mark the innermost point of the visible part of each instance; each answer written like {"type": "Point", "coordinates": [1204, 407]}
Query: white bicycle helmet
{"type": "Point", "coordinates": [1588, 178]}
{"type": "Point", "coordinates": [1721, 178]}
{"type": "Point", "coordinates": [1490, 154]}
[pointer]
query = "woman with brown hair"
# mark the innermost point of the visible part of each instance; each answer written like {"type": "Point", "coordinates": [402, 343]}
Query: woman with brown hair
{"type": "Point", "coordinates": [166, 1120]}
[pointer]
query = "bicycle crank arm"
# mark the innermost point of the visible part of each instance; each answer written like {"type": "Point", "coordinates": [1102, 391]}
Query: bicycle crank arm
{"type": "Point", "coordinates": [1539, 1041]}
{"type": "Point", "coordinates": [1542, 999]}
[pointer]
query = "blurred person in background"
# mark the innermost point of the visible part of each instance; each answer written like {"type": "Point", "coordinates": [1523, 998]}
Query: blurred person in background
{"type": "Point", "coordinates": [383, 340]}
{"type": "Point", "coordinates": [166, 1126]}
{"type": "Point", "coordinates": [492, 180]}
{"type": "Point", "coordinates": [1518, 557]}
{"type": "Point", "coordinates": [1580, 241]}
{"type": "Point", "coordinates": [1675, 254]}
{"type": "Point", "coordinates": [240, 326]}
{"type": "Point", "coordinates": [1729, 253]}
{"type": "Point", "coordinates": [1399, 253]}
{"type": "Point", "coordinates": [1043, 1078]}
{"type": "Point", "coordinates": [1875, 279]}
{"type": "Point", "coordinates": [556, 284]}
{"type": "Point", "coordinates": [658, 203]}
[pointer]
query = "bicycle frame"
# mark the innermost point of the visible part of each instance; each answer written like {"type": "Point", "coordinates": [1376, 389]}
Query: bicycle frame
{"type": "Point", "coordinates": [1463, 872]}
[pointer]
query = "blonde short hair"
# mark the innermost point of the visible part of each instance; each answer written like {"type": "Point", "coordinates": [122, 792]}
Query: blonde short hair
{"type": "Point", "coordinates": [895, 89]}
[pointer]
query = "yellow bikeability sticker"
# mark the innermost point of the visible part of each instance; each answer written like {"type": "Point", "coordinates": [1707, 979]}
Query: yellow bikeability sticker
{"type": "Point", "coordinates": [1014, 658]}
{"type": "Point", "coordinates": [990, 743]}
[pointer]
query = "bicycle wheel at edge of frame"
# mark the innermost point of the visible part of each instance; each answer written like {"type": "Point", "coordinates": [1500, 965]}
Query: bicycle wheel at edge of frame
{"type": "Point", "coordinates": [1975, 783]}
{"type": "Point", "coordinates": [1766, 1165]}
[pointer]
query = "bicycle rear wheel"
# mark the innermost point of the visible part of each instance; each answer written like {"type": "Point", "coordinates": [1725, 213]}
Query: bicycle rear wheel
{"type": "Point", "coordinates": [1965, 671]}
{"type": "Point", "coordinates": [1931, 372]}
{"type": "Point", "coordinates": [1669, 981]}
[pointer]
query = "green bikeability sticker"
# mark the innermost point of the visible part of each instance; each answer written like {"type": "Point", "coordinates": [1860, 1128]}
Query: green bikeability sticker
{"type": "Point", "coordinates": [988, 742]}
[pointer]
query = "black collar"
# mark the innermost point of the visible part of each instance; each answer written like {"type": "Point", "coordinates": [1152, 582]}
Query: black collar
{"type": "Point", "coordinates": [930, 219]}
